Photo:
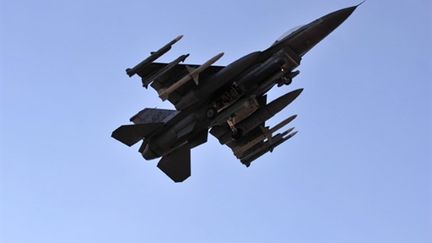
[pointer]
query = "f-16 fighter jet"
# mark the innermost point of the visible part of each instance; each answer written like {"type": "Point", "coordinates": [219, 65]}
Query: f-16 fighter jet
{"type": "Point", "coordinates": [229, 101]}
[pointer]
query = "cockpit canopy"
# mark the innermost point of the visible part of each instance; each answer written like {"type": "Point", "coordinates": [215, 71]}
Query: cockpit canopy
{"type": "Point", "coordinates": [288, 33]}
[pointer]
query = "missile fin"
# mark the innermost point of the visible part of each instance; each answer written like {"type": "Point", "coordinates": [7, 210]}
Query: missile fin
{"type": "Point", "coordinates": [194, 75]}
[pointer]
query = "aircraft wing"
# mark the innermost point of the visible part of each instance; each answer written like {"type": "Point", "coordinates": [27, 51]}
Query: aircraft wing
{"type": "Point", "coordinates": [153, 75]}
{"type": "Point", "coordinates": [172, 80]}
{"type": "Point", "coordinates": [250, 137]}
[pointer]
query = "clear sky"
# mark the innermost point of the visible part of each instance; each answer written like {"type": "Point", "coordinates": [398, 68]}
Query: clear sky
{"type": "Point", "coordinates": [358, 171]}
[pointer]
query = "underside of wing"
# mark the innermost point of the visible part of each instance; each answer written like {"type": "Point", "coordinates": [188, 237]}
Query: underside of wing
{"type": "Point", "coordinates": [160, 76]}
{"type": "Point", "coordinates": [148, 115]}
{"type": "Point", "coordinates": [249, 138]}
{"type": "Point", "coordinates": [229, 132]}
{"type": "Point", "coordinates": [165, 80]}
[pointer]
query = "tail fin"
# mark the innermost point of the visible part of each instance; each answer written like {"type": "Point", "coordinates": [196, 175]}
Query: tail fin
{"type": "Point", "coordinates": [131, 134]}
{"type": "Point", "coordinates": [177, 164]}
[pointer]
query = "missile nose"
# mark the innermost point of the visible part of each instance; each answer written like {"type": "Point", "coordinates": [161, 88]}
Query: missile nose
{"type": "Point", "coordinates": [219, 55]}
{"type": "Point", "coordinates": [294, 94]}
{"type": "Point", "coordinates": [178, 38]}
{"type": "Point", "coordinates": [290, 135]}
{"type": "Point", "coordinates": [287, 132]}
{"type": "Point", "coordinates": [290, 130]}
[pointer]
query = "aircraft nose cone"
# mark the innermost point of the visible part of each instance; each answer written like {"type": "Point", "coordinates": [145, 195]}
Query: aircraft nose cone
{"type": "Point", "coordinates": [334, 19]}
{"type": "Point", "coordinates": [318, 30]}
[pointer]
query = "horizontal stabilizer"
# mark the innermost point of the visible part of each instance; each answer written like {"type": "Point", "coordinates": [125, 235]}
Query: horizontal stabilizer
{"type": "Point", "coordinates": [152, 115]}
{"type": "Point", "coordinates": [131, 134]}
{"type": "Point", "coordinates": [177, 164]}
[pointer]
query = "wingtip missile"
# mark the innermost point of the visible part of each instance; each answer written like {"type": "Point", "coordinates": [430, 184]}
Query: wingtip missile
{"type": "Point", "coordinates": [153, 56]}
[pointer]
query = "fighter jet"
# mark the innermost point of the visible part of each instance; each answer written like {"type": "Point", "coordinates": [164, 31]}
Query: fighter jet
{"type": "Point", "coordinates": [229, 101]}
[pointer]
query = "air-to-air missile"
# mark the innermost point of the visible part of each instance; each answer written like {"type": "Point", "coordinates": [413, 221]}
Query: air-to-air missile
{"type": "Point", "coordinates": [168, 68]}
{"type": "Point", "coordinates": [153, 56]}
{"type": "Point", "coordinates": [264, 147]}
{"type": "Point", "coordinates": [229, 100]}
{"type": "Point", "coordinates": [246, 142]}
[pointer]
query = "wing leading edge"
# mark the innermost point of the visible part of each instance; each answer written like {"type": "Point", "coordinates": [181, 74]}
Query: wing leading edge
{"type": "Point", "coordinates": [163, 76]}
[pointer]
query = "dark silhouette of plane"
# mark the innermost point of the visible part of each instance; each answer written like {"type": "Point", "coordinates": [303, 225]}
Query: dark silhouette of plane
{"type": "Point", "coordinates": [229, 100]}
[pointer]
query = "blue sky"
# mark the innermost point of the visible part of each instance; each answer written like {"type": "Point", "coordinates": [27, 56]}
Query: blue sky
{"type": "Point", "coordinates": [358, 171]}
